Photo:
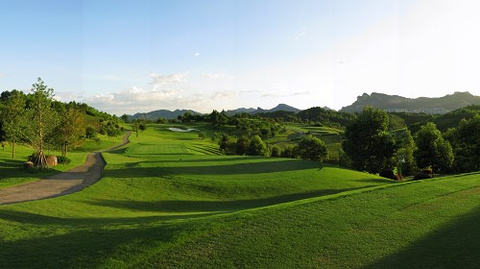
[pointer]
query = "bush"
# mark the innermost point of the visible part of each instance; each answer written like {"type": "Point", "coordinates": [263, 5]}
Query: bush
{"type": "Point", "coordinates": [312, 148]}
{"type": "Point", "coordinates": [63, 160]}
{"type": "Point", "coordinates": [426, 173]}
{"type": "Point", "coordinates": [275, 151]}
{"type": "Point", "coordinates": [32, 157]}
{"type": "Point", "coordinates": [388, 173]}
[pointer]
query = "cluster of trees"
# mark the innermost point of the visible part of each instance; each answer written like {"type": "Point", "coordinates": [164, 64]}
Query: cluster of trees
{"type": "Point", "coordinates": [309, 148]}
{"type": "Point", "coordinates": [373, 148]}
{"type": "Point", "coordinates": [40, 121]}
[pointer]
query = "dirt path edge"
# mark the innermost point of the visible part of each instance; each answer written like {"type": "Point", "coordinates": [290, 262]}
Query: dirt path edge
{"type": "Point", "coordinates": [61, 184]}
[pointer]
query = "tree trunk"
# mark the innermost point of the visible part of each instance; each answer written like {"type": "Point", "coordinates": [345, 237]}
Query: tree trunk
{"type": "Point", "coordinates": [13, 148]}
{"type": "Point", "coordinates": [64, 149]}
{"type": "Point", "coordinates": [41, 161]}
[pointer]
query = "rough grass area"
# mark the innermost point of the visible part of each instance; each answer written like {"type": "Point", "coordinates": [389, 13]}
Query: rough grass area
{"type": "Point", "coordinates": [158, 208]}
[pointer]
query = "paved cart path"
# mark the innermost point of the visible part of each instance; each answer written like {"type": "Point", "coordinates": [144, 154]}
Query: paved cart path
{"type": "Point", "coordinates": [60, 184]}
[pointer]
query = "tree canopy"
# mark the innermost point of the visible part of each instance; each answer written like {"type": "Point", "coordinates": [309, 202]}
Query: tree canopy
{"type": "Point", "coordinates": [432, 150]}
{"type": "Point", "coordinates": [367, 141]}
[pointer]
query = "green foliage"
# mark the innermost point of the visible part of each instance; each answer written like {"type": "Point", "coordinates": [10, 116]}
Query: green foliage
{"type": "Point", "coordinates": [90, 132]}
{"type": "Point", "coordinates": [111, 128]}
{"type": "Point", "coordinates": [71, 130]}
{"type": "Point", "coordinates": [326, 117]}
{"type": "Point", "coordinates": [432, 150]}
{"type": "Point", "coordinates": [275, 151]}
{"type": "Point", "coordinates": [312, 148]}
{"type": "Point", "coordinates": [404, 158]}
{"type": "Point", "coordinates": [395, 122]}
{"type": "Point", "coordinates": [465, 141]}
{"type": "Point", "coordinates": [257, 147]}
{"type": "Point", "coordinates": [63, 160]}
{"type": "Point", "coordinates": [290, 152]}
{"type": "Point", "coordinates": [367, 142]}
{"type": "Point", "coordinates": [124, 118]}
{"type": "Point", "coordinates": [228, 145]}
{"type": "Point", "coordinates": [243, 145]}
{"type": "Point", "coordinates": [13, 117]}
{"type": "Point", "coordinates": [452, 119]}
{"type": "Point", "coordinates": [42, 120]}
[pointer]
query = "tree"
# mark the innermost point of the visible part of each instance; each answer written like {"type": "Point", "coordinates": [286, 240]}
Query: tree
{"type": "Point", "coordinates": [257, 147]}
{"type": "Point", "coordinates": [124, 118]}
{"type": "Point", "coordinates": [42, 120]}
{"type": "Point", "coordinates": [228, 145]}
{"type": "Point", "coordinates": [312, 148]}
{"type": "Point", "coordinates": [142, 125]}
{"type": "Point", "coordinates": [71, 129]}
{"type": "Point", "coordinates": [404, 155]}
{"type": "Point", "coordinates": [367, 142]}
{"type": "Point", "coordinates": [465, 141]}
{"type": "Point", "coordinates": [432, 150]}
{"type": "Point", "coordinates": [13, 117]}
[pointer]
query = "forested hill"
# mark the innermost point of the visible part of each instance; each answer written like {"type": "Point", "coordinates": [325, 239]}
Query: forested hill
{"type": "Point", "coordinates": [162, 113]}
{"type": "Point", "coordinates": [395, 103]}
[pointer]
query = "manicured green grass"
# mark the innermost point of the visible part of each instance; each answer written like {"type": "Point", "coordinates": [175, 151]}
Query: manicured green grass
{"type": "Point", "coordinates": [160, 207]}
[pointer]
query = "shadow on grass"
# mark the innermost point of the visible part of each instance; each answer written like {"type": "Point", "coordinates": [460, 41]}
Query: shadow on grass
{"type": "Point", "coordinates": [182, 206]}
{"type": "Point", "coordinates": [456, 245]}
{"type": "Point", "coordinates": [14, 169]}
{"type": "Point", "coordinates": [37, 219]}
{"type": "Point", "coordinates": [227, 169]}
{"type": "Point", "coordinates": [85, 247]}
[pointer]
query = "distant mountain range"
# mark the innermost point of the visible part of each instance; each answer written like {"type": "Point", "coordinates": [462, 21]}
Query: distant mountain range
{"type": "Point", "coordinates": [167, 114]}
{"type": "Point", "coordinates": [390, 103]}
{"type": "Point", "coordinates": [395, 103]}
{"type": "Point", "coordinates": [280, 107]}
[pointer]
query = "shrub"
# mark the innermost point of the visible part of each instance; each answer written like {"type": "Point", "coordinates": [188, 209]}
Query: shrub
{"type": "Point", "coordinates": [424, 174]}
{"type": "Point", "coordinates": [63, 160]}
{"type": "Point", "coordinates": [32, 157]}
{"type": "Point", "coordinates": [388, 173]}
{"type": "Point", "coordinates": [275, 151]}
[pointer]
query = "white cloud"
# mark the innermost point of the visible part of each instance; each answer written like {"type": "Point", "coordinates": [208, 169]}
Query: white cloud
{"type": "Point", "coordinates": [223, 95]}
{"type": "Point", "coordinates": [159, 80]}
{"type": "Point", "coordinates": [299, 35]}
{"type": "Point", "coordinates": [213, 76]}
{"type": "Point", "coordinates": [197, 54]}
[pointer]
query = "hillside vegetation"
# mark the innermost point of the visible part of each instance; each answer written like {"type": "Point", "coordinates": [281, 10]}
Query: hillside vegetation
{"type": "Point", "coordinates": [168, 200]}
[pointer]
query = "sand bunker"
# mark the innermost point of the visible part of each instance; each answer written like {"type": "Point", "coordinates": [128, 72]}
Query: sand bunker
{"type": "Point", "coordinates": [181, 130]}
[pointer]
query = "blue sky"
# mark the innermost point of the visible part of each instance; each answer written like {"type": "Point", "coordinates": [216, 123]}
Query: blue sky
{"type": "Point", "coordinates": [138, 56]}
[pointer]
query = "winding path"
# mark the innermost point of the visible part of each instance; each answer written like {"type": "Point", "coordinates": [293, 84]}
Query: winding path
{"type": "Point", "coordinates": [60, 184]}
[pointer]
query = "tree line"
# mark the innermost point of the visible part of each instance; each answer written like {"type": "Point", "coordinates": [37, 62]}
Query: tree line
{"type": "Point", "coordinates": [371, 147]}
{"type": "Point", "coordinates": [40, 121]}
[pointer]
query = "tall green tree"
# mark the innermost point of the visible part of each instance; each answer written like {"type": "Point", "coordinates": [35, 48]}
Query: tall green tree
{"type": "Point", "coordinates": [466, 143]}
{"type": "Point", "coordinates": [71, 129]}
{"type": "Point", "coordinates": [12, 115]}
{"type": "Point", "coordinates": [312, 148]}
{"type": "Point", "coordinates": [404, 154]}
{"type": "Point", "coordinates": [257, 147]}
{"type": "Point", "coordinates": [42, 120]}
{"type": "Point", "coordinates": [432, 149]}
{"type": "Point", "coordinates": [367, 142]}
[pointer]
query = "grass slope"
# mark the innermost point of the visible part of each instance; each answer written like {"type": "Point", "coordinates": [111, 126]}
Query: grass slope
{"type": "Point", "coordinates": [168, 206]}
